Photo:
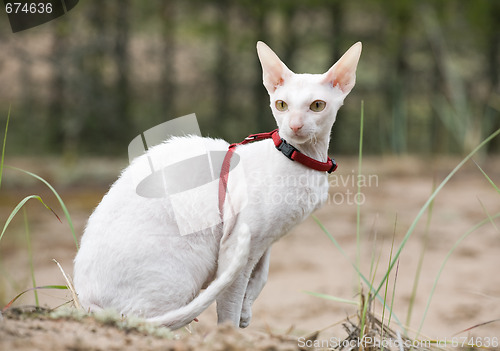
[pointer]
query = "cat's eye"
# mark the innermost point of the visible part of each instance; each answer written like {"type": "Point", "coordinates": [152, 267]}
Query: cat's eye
{"type": "Point", "coordinates": [281, 105]}
{"type": "Point", "coordinates": [318, 106]}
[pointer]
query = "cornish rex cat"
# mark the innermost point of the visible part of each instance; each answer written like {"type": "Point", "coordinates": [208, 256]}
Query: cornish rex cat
{"type": "Point", "coordinates": [133, 257]}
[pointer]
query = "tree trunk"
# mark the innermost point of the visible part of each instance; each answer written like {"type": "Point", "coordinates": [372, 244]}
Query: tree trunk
{"type": "Point", "coordinates": [494, 73]}
{"type": "Point", "coordinates": [222, 70]}
{"type": "Point", "coordinates": [168, 76]}
{"type": "Point", "coordinates": [57, 103]}
{"type": "Point", "coordinates": [123, 124]}
{"type": "Point", "coordinates": [263, 119]}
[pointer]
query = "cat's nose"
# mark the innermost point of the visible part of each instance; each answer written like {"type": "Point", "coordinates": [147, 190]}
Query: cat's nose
{"type": "Point", "coordinates": [296, 128]}
{"type": "Point", "coordinates": [295, 122]}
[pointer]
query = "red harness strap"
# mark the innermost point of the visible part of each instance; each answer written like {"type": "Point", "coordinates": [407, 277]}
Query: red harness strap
{"type": "Point", "coordinates": [288, 150]}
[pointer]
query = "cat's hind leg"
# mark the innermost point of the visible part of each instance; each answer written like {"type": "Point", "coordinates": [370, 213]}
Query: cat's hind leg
{"type": "Point", "coordinates": [255, 285]}
{"type": "Point", "coordinates": [233, 262]}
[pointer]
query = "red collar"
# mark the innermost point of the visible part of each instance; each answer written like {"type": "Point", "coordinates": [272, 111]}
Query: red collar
{"type": "Point", "coordinates": [290, 151]}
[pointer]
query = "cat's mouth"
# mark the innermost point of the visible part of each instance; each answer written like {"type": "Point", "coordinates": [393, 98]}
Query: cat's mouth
{"type": "Point", "coordinates": [299, 137]}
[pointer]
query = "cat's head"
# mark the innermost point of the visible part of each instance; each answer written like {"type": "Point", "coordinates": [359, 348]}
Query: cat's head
{"type": "Point", "coordinates": [305, 105]}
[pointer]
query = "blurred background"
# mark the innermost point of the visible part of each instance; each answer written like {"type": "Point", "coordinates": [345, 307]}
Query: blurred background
{"type": "Point", "coordinates": [87, 83]}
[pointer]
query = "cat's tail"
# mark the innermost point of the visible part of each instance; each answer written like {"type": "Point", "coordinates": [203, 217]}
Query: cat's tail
{"type": "Point", "coordinates": [186, 314]}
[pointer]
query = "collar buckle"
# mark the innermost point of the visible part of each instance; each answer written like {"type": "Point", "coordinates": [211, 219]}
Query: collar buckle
{"type": "Point", "coordinates": [334, 165]}
{"type": "Point", "coordinates": [286, 149]}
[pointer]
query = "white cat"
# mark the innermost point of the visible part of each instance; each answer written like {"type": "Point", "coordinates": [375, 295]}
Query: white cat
{"type": "Point", "coordinates": [133, 257]}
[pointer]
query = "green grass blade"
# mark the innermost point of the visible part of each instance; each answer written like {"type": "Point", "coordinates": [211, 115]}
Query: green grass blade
{"type": "Point", "coordinates": [429, 201]}
{"type": "Point", "coordinates": [58, 287]}
{"type": "Point", "coordinates": [369, 297]}
{"type": "Point", "coordinates": [457, 243]}
{"type": "Point", "coordinates": [485, 210]}
{"type": "Point", "coordinates": [477, 326]}
{"type": "Point", "coordinates": [19, 206]}
{"type": "Point", "coordinates": [393, 294]}
{"type": "Point", "coordinates": [335, 242]}
{"type": "Point", "coordinates": [420, 263]}
{"type": "Point", "coordinates": [61, 202]}
{"type": "Point", "coordinates": [358, 203]}
{"type": "Point", "coordinates": [487, 177]}
{"type": "Point", "coordinates": [332, 298]}
{"type": "Point", "coordinates": [374, 270]}
{"type": "Point", "coordinates": [3, 146]}
{"type": "Point", "coordinates": [30, 255]}
{"type": "Point", "coordinates": [384, 304]}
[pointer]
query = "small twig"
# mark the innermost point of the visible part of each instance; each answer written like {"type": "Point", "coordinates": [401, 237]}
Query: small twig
{"type": "Point", "coordinates": [70, 286]}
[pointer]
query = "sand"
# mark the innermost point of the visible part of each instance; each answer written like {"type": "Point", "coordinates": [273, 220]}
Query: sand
{"type": "Point", "coordinates": [394, 190]}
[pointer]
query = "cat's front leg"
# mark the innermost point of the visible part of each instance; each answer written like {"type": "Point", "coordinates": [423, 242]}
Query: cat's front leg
{"type": "Point", "coordinates": [255, 285]}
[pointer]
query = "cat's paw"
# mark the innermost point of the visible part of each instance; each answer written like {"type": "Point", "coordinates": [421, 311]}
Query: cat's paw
{"type": "Point", "coordinates": [246, 316]}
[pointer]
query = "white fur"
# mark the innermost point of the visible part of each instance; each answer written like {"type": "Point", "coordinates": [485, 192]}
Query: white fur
{"type": "Point", "coordinates": [133, 257]}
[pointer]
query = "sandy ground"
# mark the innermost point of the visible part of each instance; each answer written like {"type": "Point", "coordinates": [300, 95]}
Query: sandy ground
{"type": "Point", "coordinates": [467, 292]}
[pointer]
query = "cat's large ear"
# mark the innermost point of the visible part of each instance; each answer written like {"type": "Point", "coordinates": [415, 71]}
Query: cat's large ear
{"type": "Point", "coordinates": [274, 72]}
{"type": "Point", "coordinates": [343, 73]}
